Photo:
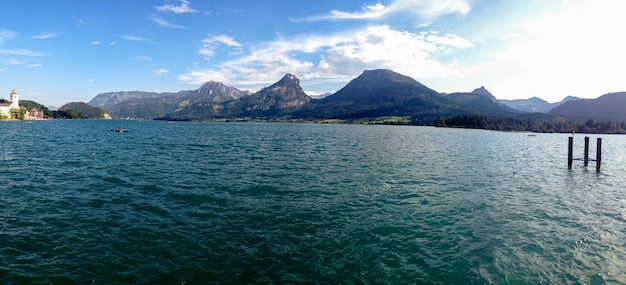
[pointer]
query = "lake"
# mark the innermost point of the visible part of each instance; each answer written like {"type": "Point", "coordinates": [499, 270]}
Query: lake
{"type": "Point", "coordinates": [215, 203]}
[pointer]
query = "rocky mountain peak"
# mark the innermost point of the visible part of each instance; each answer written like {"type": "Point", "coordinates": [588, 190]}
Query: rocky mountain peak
{"type": "Point", "coordinates": [289, 80]}
{"type": "Point", "coordinates": [218, 92]}
{"type": "Point", "coordinates": [482, 91]}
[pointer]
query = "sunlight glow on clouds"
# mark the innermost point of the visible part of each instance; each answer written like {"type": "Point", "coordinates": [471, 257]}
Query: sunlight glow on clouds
{"type": "Point", "coordinates": [342, 55]}
{"type": "Point", "coordinates": [575, 51]}
{"type": "Point", "coordinates": [427, 9]}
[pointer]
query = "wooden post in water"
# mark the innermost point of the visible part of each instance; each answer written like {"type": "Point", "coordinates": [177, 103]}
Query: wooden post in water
{"type": "Point", "coordinates": [570, 152]}
{"type": "Point", "coordinates": [586, 158]}
{"type": "Point", "coordinates": [598, 154]}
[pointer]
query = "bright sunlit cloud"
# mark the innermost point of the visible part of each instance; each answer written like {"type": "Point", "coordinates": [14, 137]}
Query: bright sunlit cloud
{"type": "Point", "coordinates": [427, 9]}
{"type": "Point", "coordinates": [341, 55]}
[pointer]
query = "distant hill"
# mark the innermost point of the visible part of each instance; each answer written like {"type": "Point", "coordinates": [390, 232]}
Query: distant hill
{"type": "Point", "coordinates": [29, 105]}
{"type": "Point", "coordinates": [481, 101]}
{"type": "Point", "coordinates": [534, 104]}
{"type": "Point", "coordinates": [140, 104]}
{"type": "Point", "coordinates": [84, 110]}
{"type": "Point", "coordinates": [109, 99]}
{"type": "Point", "coordinates": [608, 107]}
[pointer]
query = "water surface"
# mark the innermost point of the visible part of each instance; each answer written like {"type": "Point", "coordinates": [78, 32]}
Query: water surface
{"type": "Point", "coordinates": [214, 203]}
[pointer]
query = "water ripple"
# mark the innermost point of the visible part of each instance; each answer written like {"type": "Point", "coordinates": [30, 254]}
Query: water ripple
{"type": "Point", "coordinates": [210, 203]}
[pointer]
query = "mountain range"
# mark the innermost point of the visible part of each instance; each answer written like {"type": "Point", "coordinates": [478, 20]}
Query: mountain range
{"type": "Point", "coordinates": [374, 93]}
{"type": "Point", "coordinates": [534, 104]}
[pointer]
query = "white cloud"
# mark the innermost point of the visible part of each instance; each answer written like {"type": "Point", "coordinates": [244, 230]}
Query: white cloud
{"type": "Point", "coordinates": [448, 40]}
{"type": "Point", "coordinates": [184, 7]}
{"type": "Point", "coordinates": [508, 36]}
{"type": "Point", "coordinates": [369, 49]}
{"type": "Point", "coordinates": [425, 9]}
{"type": "Point", "coordinates": [342, 55]}
{"type": "Point", "coordinates": [166, 24]}
{"type": "Point", "coordinates": [23, 52]}
{"type": "Point", "coordinates": [160, 71]}
{"type": "Point", "coordinates": [367, 12]}
{"type": "Point", "coordinates": [113, 43]}
{"type": "Point", "coordinates": [221, 39]}
{"type": "Point", "coordinates": [44, 36]}
{"type": "Point", "coordinates": [6, 35]}
{"type": "Point", "coordinates": [145, 58]}
{"type": "Point", "coordinates": [134, 38]}
{"type": "Point", "coordinates": [94, 43]}
{"type": "Point", "coordinates": [209, 44]}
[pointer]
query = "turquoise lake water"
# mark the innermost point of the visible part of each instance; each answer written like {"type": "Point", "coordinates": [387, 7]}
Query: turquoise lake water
{"type": "Point", "coordinates": [242, 203]}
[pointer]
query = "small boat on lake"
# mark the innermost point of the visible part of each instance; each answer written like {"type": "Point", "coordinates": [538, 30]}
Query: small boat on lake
{"type": "Point", "coordinates": [120, 130]}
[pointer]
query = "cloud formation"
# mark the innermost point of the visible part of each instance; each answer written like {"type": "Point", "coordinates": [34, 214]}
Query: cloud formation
{"type": "Point", "coordinates": [341, 55]}
{"type": "Point", "coordinates": [184, 7]}
{"type": "Point", "coordinates": [161, 71]}
{"type": "Point", "coordinates": [425, 9]}
{"type": "Point", "coordinates": [210, 43]}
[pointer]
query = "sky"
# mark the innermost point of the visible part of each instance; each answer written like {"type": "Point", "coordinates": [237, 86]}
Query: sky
{"type": "Point", "coordinates": [59, 51]}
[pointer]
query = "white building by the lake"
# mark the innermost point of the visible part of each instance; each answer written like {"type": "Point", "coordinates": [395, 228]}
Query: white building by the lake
{"type": "Point", "coordinates": [7, 106]}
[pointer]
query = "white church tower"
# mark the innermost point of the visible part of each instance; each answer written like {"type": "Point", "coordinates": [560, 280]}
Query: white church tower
{"type": "Point", "coordinates": [15, 103]}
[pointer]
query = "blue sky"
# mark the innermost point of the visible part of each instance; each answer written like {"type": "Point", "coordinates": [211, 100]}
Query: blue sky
{"type": "Point", "coordinates": [55, 52]}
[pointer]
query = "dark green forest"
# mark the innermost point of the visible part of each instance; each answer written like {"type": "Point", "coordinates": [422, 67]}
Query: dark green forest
{"type": "Point", "coordinates": [557, 125]}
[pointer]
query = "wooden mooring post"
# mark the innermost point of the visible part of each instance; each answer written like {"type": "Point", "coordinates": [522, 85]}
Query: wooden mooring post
{"type": "Point", "coordinates": [585, 159]}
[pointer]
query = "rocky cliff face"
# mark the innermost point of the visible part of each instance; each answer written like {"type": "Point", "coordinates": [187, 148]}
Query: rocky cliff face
{"type": "Point", "coordinates": [217, 92]}
{"type": "Point", "coordinates": [275, 100]}
{"type": "Point", "coordinates": [109, 99]}
{"type": "Point", "coordinates": [285, 93]}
